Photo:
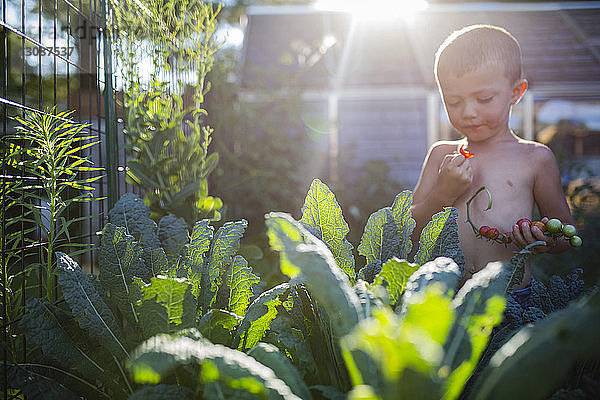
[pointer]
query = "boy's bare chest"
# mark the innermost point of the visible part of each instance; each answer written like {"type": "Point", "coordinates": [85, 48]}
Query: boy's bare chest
{"type": "Point", "coordinates": [509, 182]}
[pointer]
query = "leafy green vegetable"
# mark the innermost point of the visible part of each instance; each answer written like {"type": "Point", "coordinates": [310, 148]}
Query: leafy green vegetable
{"type": "Point", "coordinates": [388, 230]}
{"type": "Point", "coordinates": [225, 244]}
{"type": "Point", "coordinates": [164, 355]}
{"type": "Point", "coordinates": [322, 211]}
{"type": "Point", "coordinates": [414, 343]}
{"type": "Point", "coordinates": [271, 357]}
{"type": "Point", "coordinates": [36, 382]}
{"type": "Point", "coordinates": [431, 233]}
{"type": "Point", "coordinates": [372, 242]}
{"type": "Point", "coordinates": [404, 221]}
{"type": "Point", "coordinates": [87, 306]}
{"type": "Point", "coordinates": [168, 292]}
{"type": "Point", "coordinates": [173, 235]}
{"type": "Point", "coordinates": [240, 280]}
{"type": "Point", "coordinates": [395, 273]}
{"type": "Point", "coordinates": [120, 260]}
{"type": "Point", "coordinates": [546, 351]}
{"type": "Point", "coordinates": [131, 213]}
{"type": "Point", "coordinates": [447, 243]}
{"type": "Point", "coordinates": [259, 316]}
{"type": "Point", "coordinates": [327, 282]}
{"type": "Point", "coordinates": [42, 327]}
{"type": "Point", "coordinates": [217, 326]}
{"type": "Point", "coordinates": [442, 269]}
{"type": "Point", "coordinates": [200, 240]}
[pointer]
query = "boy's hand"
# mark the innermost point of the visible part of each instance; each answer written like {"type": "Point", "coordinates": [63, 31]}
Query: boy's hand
{"type": "Point", "coordinates": [455, 176]}
{"type": "Point", "coordinates": [527, 234]}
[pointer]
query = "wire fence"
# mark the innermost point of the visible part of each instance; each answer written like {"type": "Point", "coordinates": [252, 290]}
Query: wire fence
{"type": "Point", "coordinates": [55, 53]}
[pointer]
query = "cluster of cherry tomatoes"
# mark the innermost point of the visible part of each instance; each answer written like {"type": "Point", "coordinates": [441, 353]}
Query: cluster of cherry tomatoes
{"type": "Point", "coordinates": [554, 228]}
{"type": "Point", "coordinates": [494, 234]}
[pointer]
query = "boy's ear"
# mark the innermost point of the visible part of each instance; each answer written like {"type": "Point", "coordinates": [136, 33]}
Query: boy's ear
{"type": "Point", "coordinates": [519, 90]}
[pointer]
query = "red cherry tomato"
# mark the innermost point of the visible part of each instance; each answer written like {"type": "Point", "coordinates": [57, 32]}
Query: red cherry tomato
{"type": "Point", "coordinates": [465, 153]}
{"type": "Point", "coordinates": [522, 220]}
{"type": "Point", "coordinates": [483, 231]}
{"type": "Point", "coordinates": [493, 233]}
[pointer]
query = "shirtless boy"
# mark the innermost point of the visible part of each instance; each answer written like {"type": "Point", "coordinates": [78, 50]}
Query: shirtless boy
{"type": "Point", "coordinates": [479, 74]}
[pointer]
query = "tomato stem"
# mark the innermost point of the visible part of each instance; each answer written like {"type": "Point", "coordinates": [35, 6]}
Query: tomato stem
{"type": "Point", "coordinates": [501, 238]}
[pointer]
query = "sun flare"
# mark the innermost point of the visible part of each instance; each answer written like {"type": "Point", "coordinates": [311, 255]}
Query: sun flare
{"type": "Point", "coordinates": [374, 9]}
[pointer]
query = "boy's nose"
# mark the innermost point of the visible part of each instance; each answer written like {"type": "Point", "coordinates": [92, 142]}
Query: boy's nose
{"type": "Point", "coordinates": [469, 111]}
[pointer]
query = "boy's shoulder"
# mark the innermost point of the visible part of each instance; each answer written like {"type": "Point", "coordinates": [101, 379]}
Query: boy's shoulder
{"type": "Point", "coordinates": [534, 150]}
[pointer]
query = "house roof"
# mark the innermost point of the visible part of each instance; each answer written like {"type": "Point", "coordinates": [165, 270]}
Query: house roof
{"type": "Point", "coordinates": [560, 44]}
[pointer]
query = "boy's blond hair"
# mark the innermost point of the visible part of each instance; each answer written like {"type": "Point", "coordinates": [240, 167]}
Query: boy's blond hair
{"type": "Point", "coordinates": [470, 47]}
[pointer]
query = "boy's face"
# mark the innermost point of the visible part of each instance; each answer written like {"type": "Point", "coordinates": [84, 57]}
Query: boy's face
{"type": "Point", "coordinates": [478, 102]}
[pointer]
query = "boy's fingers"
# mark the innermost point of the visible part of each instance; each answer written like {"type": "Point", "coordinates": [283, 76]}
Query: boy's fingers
{"type": "Point", "coordinates": [518, 237]}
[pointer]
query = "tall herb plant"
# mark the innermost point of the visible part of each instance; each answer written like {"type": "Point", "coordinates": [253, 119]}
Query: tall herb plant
{"type": "Point", "coordinates": [49, 176]}
{"type": "Point", "coordinates": [168, 141]}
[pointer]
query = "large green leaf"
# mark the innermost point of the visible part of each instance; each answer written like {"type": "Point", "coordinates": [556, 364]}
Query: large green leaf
{"type": "Point", "coordinates": [395, 273]}
{"type": "Point", "coordinates": [240, 281]}
{"type": "Point", "coordinates": [164, 355]}
{"type": "Point", "coordinates": [88, 308]}
{"type": "Point", "coordinates": [430, 234]}
{"type": "Point", "coordinates": [405, 223]}
{"type": "Point", "coordinates": [152, 318]}
{"type": "Point", "coordinates": [259, 316]}
{"type": "Point", "coordinates": [270, 356]}
{"type": "Point", "coordinates": [219, 326]}
{"type": "Point", "coordinates": [131, 212]}
{"type": "Point", "coordinates": [327, 282]}
{"type": "Point", "coordinates": [168, 292]}
{"type": "Point", "coordinates": [201, 237]}
{"type": "Point", "coordinates": [120, 260]}
{"type": "Point", "coordinates": [173, 235]}
{"type": "Point", "coordinates": [547, 351]}
{"type": "Point", "coordinates": [42, 327]}
{"type": "Point", "coordinates": [447, 243]}
{"type": "Point", "coordinates": [225, 244]}
{"type": "Point", "coordinates": [406, 350]}
{"type": "Point", "coordinates": [479, 307]}
{"type": "Point", "coordinates": [371, 241]}
{"type": "Point", "coordinates": [38, 382]}
{"type": "Point", "coordinates": [322, 211]}
{"type": "Point", "coordinates": [442, 270]}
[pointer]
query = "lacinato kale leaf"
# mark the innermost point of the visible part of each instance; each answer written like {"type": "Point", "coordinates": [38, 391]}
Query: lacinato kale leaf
{"type": "Point", "coordinates": [404, 222]}
{"type": "Point", "coordinates": [322, 212]}
{"type": "Point", "coordinates": [120, 261]}
{"type": "Point", "coordinates": [326, 281]}
{"type": "Point", "coordinates": [225, 245]}
{"type": "Point", "coordinates": [131, 213]}
{"type": "Point", "coordinates": [200, 240]}
{"type": "Point", "coordinates": [395, 273]}
{"type": "Point", "coordinates": [88, 308]}
{"type": "Point", "coordinates": [173, 236]}
{"type": "Point", "coordinates": [166, 356]}
{"type": "Point", "coordinates": [240, 281]}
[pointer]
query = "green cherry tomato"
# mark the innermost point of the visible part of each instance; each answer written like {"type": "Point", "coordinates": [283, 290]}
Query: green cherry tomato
{"type": "Point", "coordinates": [575, 241]}
{"type": "Point", "coordinates": [554, 226]}
{"type": "Point", "coordinates": [568, 230]}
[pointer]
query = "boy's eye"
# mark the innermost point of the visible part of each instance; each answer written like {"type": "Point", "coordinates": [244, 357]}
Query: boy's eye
{"type": "Point", "coordinates": [485, 99]}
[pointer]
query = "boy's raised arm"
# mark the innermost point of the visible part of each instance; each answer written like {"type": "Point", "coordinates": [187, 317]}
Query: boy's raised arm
{"type": "Point", "coordinates": [444, 177]}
